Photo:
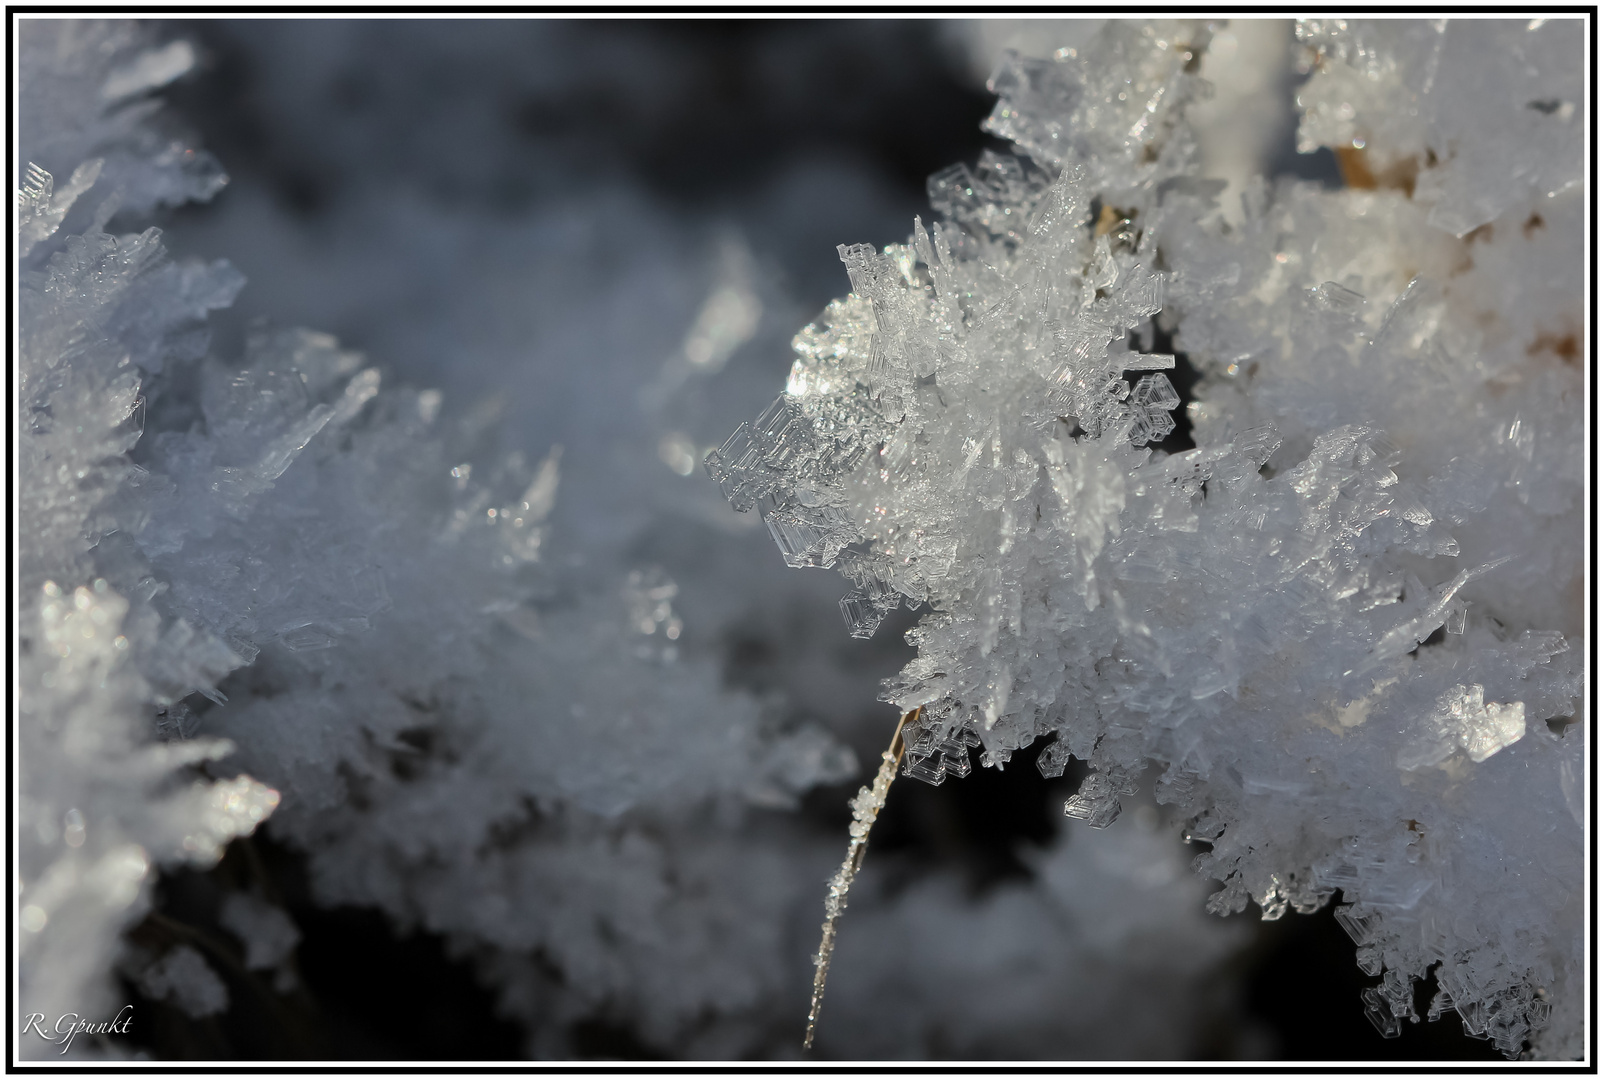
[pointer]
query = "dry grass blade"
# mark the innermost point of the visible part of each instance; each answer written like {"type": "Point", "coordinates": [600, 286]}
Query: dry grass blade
{"type": "Point", "coordinates": [865, 808]}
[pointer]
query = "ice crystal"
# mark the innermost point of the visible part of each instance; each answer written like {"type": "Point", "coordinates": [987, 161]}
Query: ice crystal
{"type": "Point", "coordinates": [1386, 438]}
{"type": "Point", "coordinates": [89, 84]}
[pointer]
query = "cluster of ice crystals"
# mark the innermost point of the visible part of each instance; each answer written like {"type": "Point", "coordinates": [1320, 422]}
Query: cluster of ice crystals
{"type": "Point", "coordinates": [1387, 438]}
{"type": "Point", "coordinates": [89, 84]}
{"type": "Point", "coordinates": [102, 801]}
{"type": "Point", "coordinates": [1464, 721]}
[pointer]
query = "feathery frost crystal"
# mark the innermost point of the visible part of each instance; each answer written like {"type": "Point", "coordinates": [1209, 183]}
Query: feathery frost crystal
{"type": "Point", "coordinates": [1388, 444]}
{"type": "Point", "coordinates": [102, 802]}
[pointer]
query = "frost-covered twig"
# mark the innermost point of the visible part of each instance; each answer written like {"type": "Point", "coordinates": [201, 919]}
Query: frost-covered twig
{"type": "Point", "coordinates": [870, 800]}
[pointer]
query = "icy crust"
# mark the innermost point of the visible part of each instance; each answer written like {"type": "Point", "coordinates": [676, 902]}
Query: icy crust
{"type": "Point", "coordinates": [1387, 447]}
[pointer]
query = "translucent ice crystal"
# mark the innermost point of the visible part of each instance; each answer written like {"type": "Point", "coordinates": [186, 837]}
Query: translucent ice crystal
{"type": "Point", "coordinates": [1386, 435]}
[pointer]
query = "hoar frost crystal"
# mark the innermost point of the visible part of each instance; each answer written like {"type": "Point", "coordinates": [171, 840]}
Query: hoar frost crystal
{"type": "Point", "coordinates": [101, 802]}
{"type": "Point", "coordinates": [458, 733]}
{"type": "Point", "coordinates": [1344, 626]}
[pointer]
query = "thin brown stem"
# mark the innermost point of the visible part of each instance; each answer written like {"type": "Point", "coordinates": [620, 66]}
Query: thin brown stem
{"type": "Point", "coordinates": [865, 809]}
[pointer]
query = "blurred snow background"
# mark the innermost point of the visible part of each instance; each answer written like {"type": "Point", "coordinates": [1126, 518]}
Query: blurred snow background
{"type": "Point", "coordinates": [601, 237]}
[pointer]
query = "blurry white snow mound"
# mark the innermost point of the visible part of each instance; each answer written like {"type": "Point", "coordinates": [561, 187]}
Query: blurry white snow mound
{"type": "Point", "coordinates": [184, 977]}
{"type": "Point", "coordinates": [1247, 64]}
{"type": "Point", "coordinates": [484, 703]}
{"type": "Point", "coordinates": [1023, 970]}
{"type": "Point", "coordinates": [267, 932]}
{"type": "Point", "coordinates": [1388, 444]}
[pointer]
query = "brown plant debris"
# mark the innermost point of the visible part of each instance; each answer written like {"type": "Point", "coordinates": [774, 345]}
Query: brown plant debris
{"type": "Point", "coordinates": [1359, 170]}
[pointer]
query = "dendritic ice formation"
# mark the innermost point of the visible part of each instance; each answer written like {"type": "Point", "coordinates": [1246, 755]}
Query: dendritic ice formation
{"type": "Point", "coordinates": [506, 752]}
{"type": "Point", "coordinates": [102, 802]}
{"type": "Point", "coordinates": [1345, 627]}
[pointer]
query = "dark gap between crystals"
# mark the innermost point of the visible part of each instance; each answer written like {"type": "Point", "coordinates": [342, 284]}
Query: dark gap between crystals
{"type": "Point", "coordinates": [1183, 377]}
{"type": "Point", "coordinates": [1302, 981]}
{"type": "Point", "coordinates": [980, 823]}
{"type": "Point", "coordinates": [363, 990]}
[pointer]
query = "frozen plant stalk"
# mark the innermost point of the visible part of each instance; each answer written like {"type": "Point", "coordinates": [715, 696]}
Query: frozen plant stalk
{"type": "Point", "coordinates": [866, 806]}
